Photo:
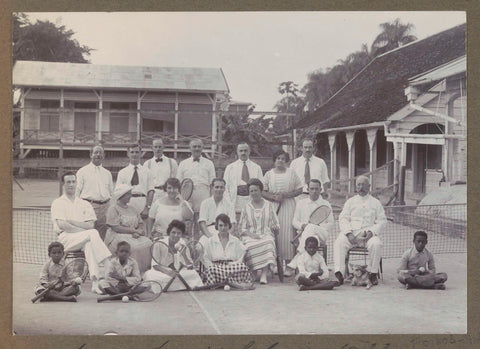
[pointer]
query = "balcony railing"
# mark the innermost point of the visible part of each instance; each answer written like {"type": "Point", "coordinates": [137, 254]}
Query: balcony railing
{"type": "Point", "coordinates": [37, 137]}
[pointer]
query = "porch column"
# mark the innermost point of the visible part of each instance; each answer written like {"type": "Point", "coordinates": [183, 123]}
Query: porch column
{"type": "Point", "coordinates": [396, 163]}
{"type": "Point", "coordinates": [22, 123]}
{"type": "Point", "coordinates": [175, 136]}
{"type": "Point", "coordinates": [351, 158]}
{"type": "Point", "coordinates": [100, 116]}
{"type": "Point", "coordinates": [372, 145]}
{"type": "Point", "coordinates": [333, 157]}
{"type": "Point", "coordinates": [214, 127]}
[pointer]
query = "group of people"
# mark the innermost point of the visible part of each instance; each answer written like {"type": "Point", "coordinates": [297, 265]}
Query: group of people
{"type": "Point", "coordinates": [236, 219]}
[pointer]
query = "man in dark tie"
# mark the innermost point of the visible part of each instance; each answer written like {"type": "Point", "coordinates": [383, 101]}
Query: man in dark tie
{"type": "Point", "coordinates": [308, 167]}
{"type": "Point", "coordinates": [135, 175]}
{"type": "Point", "coordinates": [159, 169]}
{"type": "Point", "coordinates": [237, 175]}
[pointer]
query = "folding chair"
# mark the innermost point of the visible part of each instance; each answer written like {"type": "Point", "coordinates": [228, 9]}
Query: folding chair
{"type": "Point", "coordinates": [360, 251]}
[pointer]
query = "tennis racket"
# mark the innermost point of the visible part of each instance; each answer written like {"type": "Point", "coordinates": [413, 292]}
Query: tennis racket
{"type": "Point", "coordinates": [192, 254]}
{"type": "Point", "coordinates": [279, 259]}
{"type": "Point", "coordinates": [186, 189]}
{"type": "Point", "coordinates": [318, 216]}
{"type": "Point", "coordinates": [145, 291]}
{"type": "Point", "coordinates": [74, 272]}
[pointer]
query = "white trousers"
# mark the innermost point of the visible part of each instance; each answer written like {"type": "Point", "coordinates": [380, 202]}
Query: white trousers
{"type": "Point", "coordinates": [342, 245]}
{"type": "Point", "coordinates": [310, 230]}
{"type": "Point", "coordinates": [90, 242]}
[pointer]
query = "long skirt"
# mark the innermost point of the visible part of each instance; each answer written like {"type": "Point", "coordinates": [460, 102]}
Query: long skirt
{"type": "Point", "coordinates": [190, 276]}
{"type": "Point", "coordinates": [224, 271]}
{"type": "Point", "coordinates": [140, 248]}
{"type": "Point", "coordinates": [260, 252]}
{"type": "Point", "coordinates": [285, 217]}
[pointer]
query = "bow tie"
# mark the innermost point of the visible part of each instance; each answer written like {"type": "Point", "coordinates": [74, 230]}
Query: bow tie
{"type": "Point", "coordinates": [159, 160]}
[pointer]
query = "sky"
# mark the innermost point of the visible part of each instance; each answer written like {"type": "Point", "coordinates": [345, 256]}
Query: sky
{"type": "Point", "coordinates": [256, 50]}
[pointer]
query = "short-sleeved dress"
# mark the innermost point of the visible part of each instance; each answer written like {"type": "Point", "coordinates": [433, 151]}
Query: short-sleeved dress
{"type": "Point", "coordinates": [128, 217]}
{"type": "Point", "coordinates": [281, 183]}
{"type": "Point", "coordinates": [163, 215]}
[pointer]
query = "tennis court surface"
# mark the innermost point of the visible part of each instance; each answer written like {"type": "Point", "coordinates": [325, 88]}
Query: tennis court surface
{"type": "Point", "coordinates": [275, 308]}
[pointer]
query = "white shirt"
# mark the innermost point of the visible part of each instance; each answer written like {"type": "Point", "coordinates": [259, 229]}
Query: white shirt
{"type": "Point", "coordinates": [312, 264]}
{"type": "Point", "coordinates": [201, 172]}
{"type": "Point", "coordinates": [94, 183]}
{"type": "Point", "coordinates": [234, 250]}
{"type": "Point", "coordinates": [64, 209]}
{"type": "Point", "coordinates": [209, 210]}
{"type": "Point", "coordinates": [362, 213]}
{"type": "Point", "coordinates": [305, 207]}
{"type": "Point", "coordinates": [318, 170]}
{"type": "Point", "coordinates": [233, 176]}
{"type": "Point", "coordinates": [125, 177]}
{"type": "Point", "coordinates": [160, 171]}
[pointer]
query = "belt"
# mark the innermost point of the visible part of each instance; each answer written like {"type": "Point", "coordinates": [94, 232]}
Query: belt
{"type": "Point", "coordinates": [97, 202]}
{"type": "Point", "coordinates": [211, 224]}
{"type": "Point", "coordinates": [242, 190]}
{"type": "Point", "coordinates": [225, 261]}
{"type": "Point", "coordinates": [160, 187]}
{"type": "Point", "coordinates": [304, 192]}
{"type": "Point", "coordinates": [138, 195]}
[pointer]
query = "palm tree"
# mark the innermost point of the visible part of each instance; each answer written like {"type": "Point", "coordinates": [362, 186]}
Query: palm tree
{"type": "Point", "coordinates": [394, 34]}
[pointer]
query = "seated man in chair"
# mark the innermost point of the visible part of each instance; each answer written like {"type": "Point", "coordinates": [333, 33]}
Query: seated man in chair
{"type": "Point", "coordinates": [73, 220]}
{"type": "Point", "coordinates": [361, 221]}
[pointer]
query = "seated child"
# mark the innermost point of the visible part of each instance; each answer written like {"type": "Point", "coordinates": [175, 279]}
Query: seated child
{"type": "Point", "coordinates": [122, 272]}
{"type": "Point", "coordinates": [417, 267]}
{"type": "Point", "coordinates": [313, 272]}
{"type": "Point", "coordinates": [51, 271]}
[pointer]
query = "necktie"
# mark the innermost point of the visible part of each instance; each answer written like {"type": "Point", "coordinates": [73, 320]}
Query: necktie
{"type": "Point", "coordinates": [245, 175]}
{"type": "Point", "coordinates": [307, 171]}
{"type": "Point", "coordinates": [159, 160]}
{"type": "Point", "coordinates": [134, 180]}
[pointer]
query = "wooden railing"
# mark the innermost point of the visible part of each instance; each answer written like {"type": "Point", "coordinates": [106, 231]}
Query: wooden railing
{"type": "Point", "coordinates": [71, 137]}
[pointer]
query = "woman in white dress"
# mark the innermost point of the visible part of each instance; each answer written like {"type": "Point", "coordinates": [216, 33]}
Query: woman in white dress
{"type": "Point", "coordinates": [282, 185]}
{"type": "Point", "coordinates": [162, 272]}
{"type": "Point", "coordinates": [166, 209]}
{"type": "Point", "coordinates": [125, 224]}
{"type": "Point", "coordinates": [258, 223]}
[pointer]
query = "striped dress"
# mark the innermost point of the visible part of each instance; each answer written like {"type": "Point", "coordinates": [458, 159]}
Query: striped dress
{"type": "Point", "coordinates": [280, 183]}
{"type": "Point", "coordinates": [260, 252]}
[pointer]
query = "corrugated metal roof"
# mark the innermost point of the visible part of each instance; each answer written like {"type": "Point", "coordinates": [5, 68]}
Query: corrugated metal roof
{"type": "Point", "coordinates": [77, 75]}
{"type": "Point", "coordinates": [455, 67]}
{"type": "Point", "coordinates": [378, 90]}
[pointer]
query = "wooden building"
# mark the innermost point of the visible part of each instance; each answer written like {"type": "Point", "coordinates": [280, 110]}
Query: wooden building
{"type": "Point", "coordinates": [407, 108]}
{"type": "Point", "coordinates": [75, 106]}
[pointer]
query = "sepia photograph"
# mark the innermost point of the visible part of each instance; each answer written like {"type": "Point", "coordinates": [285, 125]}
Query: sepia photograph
{"type": "Point", "coordinates": [239, 173]}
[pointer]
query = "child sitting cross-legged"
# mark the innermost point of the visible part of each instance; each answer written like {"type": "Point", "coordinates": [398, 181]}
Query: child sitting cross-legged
{"type": "Point", "coordinates": [122, 272]}
{"type": "Point", "coordinates": [417, 267]}
{"type": "Point", "coordinates": [313, 272]}
{"type": "Point", "coordinates": [50, 274]}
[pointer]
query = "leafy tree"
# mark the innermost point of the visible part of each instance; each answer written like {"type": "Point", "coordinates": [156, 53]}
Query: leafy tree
{"type": "Point", "coordinates": [45, 41]}
{"type": "Point", "coordinates": [394, 34]}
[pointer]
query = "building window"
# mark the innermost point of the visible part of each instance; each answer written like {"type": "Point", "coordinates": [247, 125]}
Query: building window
{"type": "Point", "coordinates": [49, 119]}
{"type": "Point", "coordinates": [119, 116]}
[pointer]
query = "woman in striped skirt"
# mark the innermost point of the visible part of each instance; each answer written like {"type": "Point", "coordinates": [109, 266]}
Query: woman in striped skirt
{"type": "Point", "coordinates": [223, 258]}
{"type": "Point", "coordinates": [282, 185]}
{"type": "Point", "coordinates": [258, 223]}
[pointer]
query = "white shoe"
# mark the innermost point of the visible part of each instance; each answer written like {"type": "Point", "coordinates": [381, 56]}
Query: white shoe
{"type": "Point", "coordinates": [263, 279]}
{"type": "Point", "coordinates": [95, 288]}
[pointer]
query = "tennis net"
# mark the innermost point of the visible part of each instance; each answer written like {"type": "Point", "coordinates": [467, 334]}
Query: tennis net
{"type": "Point", "coordinates": [446, 226]}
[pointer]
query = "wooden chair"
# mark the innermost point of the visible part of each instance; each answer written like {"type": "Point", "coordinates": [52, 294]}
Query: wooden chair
{"type": "Point", "coordinates": [360, 251]}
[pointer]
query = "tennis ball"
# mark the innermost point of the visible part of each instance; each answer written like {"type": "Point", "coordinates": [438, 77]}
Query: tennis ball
{"type": "Point", "coordinates": [421, 269]}
{"type": "Point", "coordinates": [125, 299]}
{"type": "Point", "coordinates": [226, 288]}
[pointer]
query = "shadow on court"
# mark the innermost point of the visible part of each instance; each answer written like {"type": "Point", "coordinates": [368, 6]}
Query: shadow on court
{"type": "Point", "coordinates": [270, 309]}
